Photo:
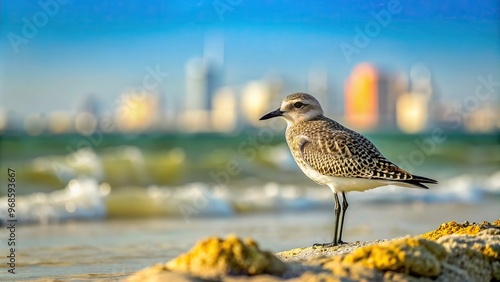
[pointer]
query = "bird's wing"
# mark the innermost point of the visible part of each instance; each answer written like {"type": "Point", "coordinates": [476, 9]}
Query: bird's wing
{"type": "Point", "coordinates": [347, 154]}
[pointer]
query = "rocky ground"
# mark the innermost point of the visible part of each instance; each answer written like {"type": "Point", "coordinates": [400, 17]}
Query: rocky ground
{"type": "Point", "coordinates": [453, 252]}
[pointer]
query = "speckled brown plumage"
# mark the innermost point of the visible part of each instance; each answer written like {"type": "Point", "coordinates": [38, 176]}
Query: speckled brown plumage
{"type": "Point", "coordinates": [331, 149]}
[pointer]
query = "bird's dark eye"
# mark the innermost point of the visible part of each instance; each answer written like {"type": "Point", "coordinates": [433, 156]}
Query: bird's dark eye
{"type": "Point", "coordinates": [298, 105]}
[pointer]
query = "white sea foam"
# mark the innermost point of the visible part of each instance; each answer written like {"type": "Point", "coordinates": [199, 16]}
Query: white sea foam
{"type": "Point", "coordinates": [194, 199]}
{"type": "Point", "coordinates": [81, 199]}
{"type": "Point", "coordinates": [80, 163]}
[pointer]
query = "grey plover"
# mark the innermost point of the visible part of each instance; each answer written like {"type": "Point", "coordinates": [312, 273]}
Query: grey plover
{"type": "Point", "coordinates": [338, 157]}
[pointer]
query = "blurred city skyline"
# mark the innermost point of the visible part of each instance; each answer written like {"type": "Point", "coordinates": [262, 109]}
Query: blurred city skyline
{"type": "Point", "coordinates": [105, 50]}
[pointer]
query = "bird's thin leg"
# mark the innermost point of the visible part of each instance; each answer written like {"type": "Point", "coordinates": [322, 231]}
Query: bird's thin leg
{"type": "Point", "coordinates": [344, 208]}
{"type": "Point", "coordinates": [337, 215]}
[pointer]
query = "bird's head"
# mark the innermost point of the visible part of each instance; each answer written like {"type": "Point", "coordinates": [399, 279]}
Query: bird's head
{"type": "Point", "coordinates": [297, 108]}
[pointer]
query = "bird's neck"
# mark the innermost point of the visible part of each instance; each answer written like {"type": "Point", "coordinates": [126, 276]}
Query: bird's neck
{"type": "Point", "coordinates": [292, 123]}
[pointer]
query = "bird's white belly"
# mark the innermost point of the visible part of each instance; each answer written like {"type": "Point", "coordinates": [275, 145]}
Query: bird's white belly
{"type": "Point", "coordinates": [342, 184]}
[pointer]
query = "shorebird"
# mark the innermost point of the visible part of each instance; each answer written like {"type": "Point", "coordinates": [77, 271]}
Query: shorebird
{"type": "Point", "coordinates": [338, 157]}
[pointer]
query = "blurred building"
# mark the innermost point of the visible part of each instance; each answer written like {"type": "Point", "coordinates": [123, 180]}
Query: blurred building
{"type": "Point", "coordinates": [60, 122]}
{"type": "Point", "coordinates": [375, 98]}
{"type": "Point", "coordinates": [11, 121]}
{"type": "Point", "coordinates": [201, 83]}
{"type": "Point", "coordinates": [496, 118]}
{"type": "Point", "coordinates": [203, 79]}
{"type": "Point", "coordinates": [90, 104]}
{"type": "Point", "coordinates": [362, 97]}
{"type": "Point", "coordinates": [317, 85]}
{"type": "Point", "coordinates": [138, 111]}
{"type": "Point", "coordinates": [171, 111]}
{"type": "Point", "coordinates": [391, 86]}
{"type": "Point", "coordinates": [482, 119]}
{"type": "Point", "coordinates": [413, 112]}
{"type": "Point", "coordinates": [275, 83]}
{"type": "Point", "coordinates": [256, 99]}
{"type": "Point", "coordinates": [225, 112]}
{"type": "Point", "coordinates": [3, 120]}
{"type": "Point", "coordinates": [85, 123]}
{"type": "Point", "coordinates": [87, 115]}
{"type": "Point", "coordinates": [35, 124]}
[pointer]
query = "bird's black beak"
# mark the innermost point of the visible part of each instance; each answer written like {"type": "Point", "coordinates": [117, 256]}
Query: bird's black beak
{"type": "Point", "coordinates": [275, 113]}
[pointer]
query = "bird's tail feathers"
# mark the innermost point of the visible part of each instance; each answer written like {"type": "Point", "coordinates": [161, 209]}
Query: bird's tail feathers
{"type": "Point", "coordinates": [418, 181]}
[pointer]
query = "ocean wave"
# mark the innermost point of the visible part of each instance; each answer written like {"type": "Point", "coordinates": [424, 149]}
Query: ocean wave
{"type": "Point", "coordinates": [82, 198]}
{"type": "Point", "coordinates": [85, 198]}
{"type": "Point", "coordinates": [82, 162]}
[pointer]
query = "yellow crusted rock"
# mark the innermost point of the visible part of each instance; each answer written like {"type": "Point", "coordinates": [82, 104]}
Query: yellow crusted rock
{"type": "Point", "coordinates": [495, 270]}
{"type": "Point", "coordinates": [475, 254]}
{"type": "Point", "coordinates": [158, 273]}
{"type": "Point", "coordinates": [465, 228]}
{"type": "Point", "coordinates": [256, 278]}
{"type": "Point", "coordinates": [414, 256]}
{"type": "Point", "coordinates": [215, 257]}
{"type": "Point", "coordinates": [486, 243]}
{"type": "Point", "coordinates": [452, 273]}
{"type": "Point", "coordinates": [496, 222]}
{"type": "Point", "coordinates": [342, 274]}
{"type": "Point", "coordinates": [401, 277]}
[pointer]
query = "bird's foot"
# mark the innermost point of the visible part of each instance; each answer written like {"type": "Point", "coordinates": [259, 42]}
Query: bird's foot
{"type": "Point", "coordinates": [325, 245]}
{"type": "Point", "coordinates": [329, 245]}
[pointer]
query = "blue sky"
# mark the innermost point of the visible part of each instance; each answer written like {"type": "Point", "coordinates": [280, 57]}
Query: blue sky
{"type": "Point", "coordinates": [104, 47]}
